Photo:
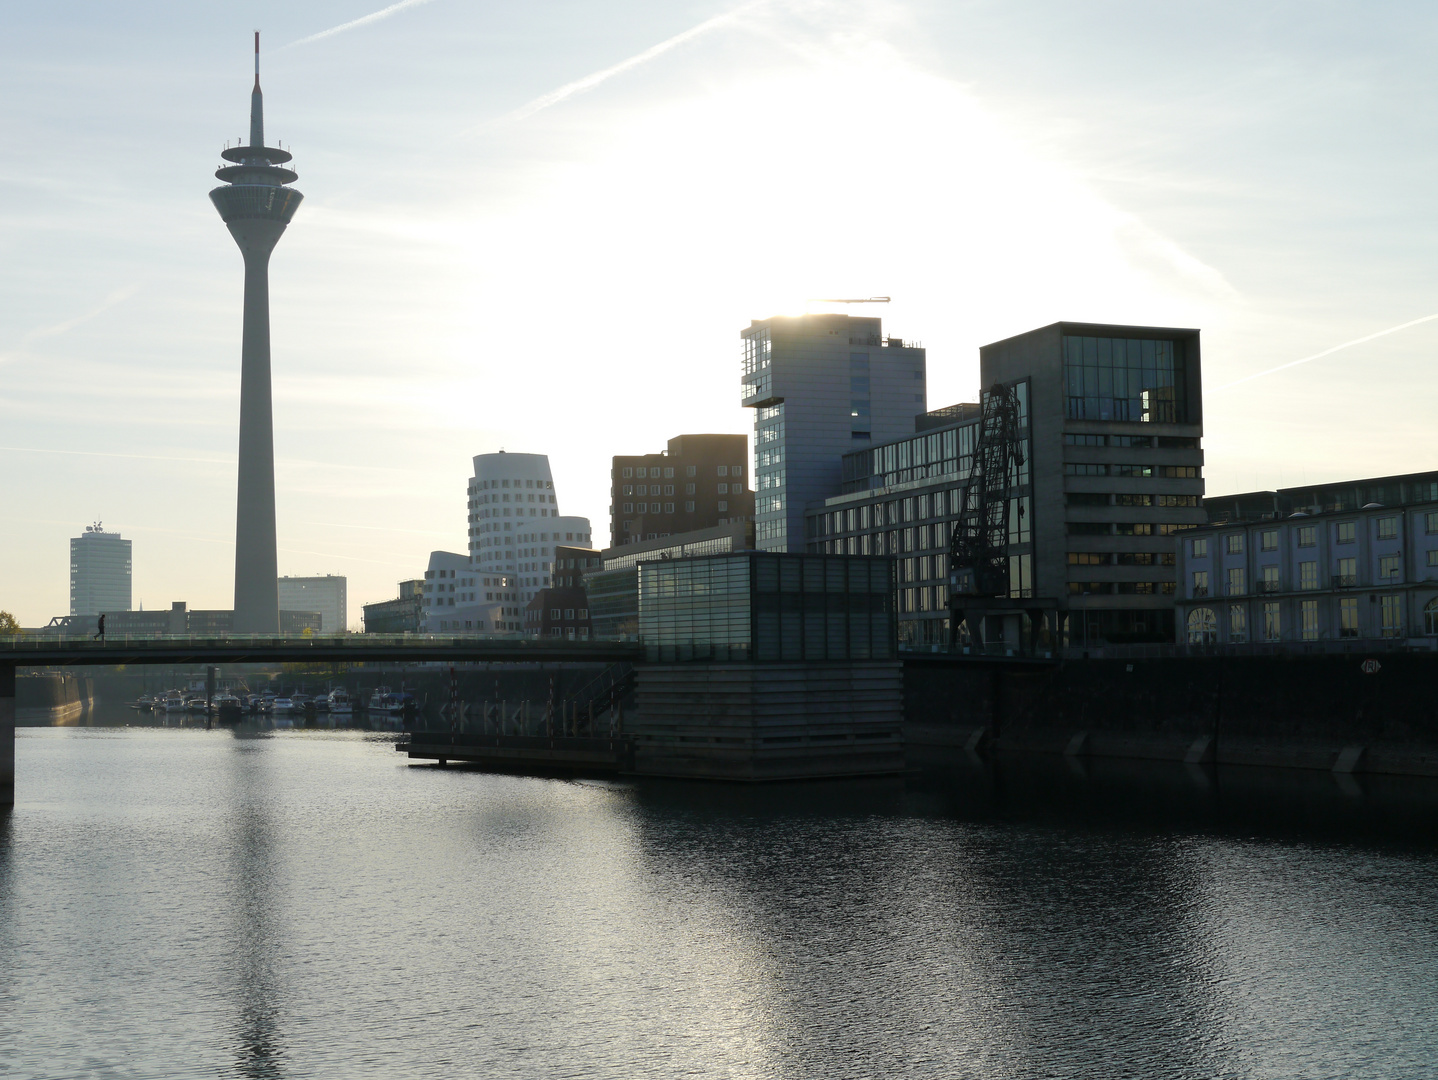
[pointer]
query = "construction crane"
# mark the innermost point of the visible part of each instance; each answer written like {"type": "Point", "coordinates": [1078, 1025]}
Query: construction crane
{"type": "Point", "coordinates": [978, 549]}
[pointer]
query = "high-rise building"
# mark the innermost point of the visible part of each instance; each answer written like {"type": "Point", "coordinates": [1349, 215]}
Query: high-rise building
{"type": "Point", "coordinates": [821, 386]}
{"type": "Point", "coordinates": [325, 595]}
{"type": "Point", "coordinates": [398, 616]}
{"type": "Point", "coordinates": [256, 205]}
{"type": "Point", "coordinates": [99, 572]}
{"type": "Point", "coordinates": [697, 482]}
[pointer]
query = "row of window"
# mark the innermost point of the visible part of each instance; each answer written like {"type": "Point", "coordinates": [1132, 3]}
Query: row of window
{"type": "Point", "coordinates": [1202, 622]}
{"type": "Point", "coordinates": [668, 489]}
{"type": "Point", "coordinates": [1344, 532]}
{"type": "Point", "coordinates": [489, 485]}
{"type": "Point", "coordinates": [1121, 588]}
{"type": "Point", "coordinates": [1096, 498]}
{"type": "Point", "coordinates": [1121, 558]}
{"type": "Point", "coordinates": [567, 613]}
{"type": "Point", "coordinates": [1125, 528]}
{"type": "Point", "coordinates": [1145, 442]}
{"type": "Point", "coordinates": [1390, 570]}
{"type": "Point", "coordinates": [643, 472]}
{"type": "Point", "coordinates": [1167, 472]}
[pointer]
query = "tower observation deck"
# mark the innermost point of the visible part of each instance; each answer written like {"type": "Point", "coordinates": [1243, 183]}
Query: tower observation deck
{"type": "Point", "coordinates": [256, 204]}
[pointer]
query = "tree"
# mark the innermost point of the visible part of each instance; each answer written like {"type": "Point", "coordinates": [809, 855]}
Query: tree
{"type": "Point", "coordinates": [9, 624]}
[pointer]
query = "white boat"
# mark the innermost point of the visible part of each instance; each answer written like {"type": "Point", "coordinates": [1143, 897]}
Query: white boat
{"type": "Point", "coordinates": [283, 705]}
{"type": "Point", "coordinates": [196, 704]}
{"type": "Point", "coordinates": [339, 702]}
{"type": "Point", "coordinates": [225, 700]}
{"type": "Point", "coordinates": [173, 701]}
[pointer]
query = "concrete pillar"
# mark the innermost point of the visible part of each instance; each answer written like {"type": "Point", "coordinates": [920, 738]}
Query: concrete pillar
{"type": "Point", "coordinates": [7, 734]}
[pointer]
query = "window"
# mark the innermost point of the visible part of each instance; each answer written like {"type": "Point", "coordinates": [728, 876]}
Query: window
{"type": "Point", "coordinates": [723, 470]}
{"type": "Point", "coordinates": [1200, 583]}
{"type": "Point", "coordinates": [1308, 575]}
{"type": "Point", "coordinates": [1083, 440]}
{"type": "Point", "coordinates": [669, 472]}
{"type": "Point", "coordinates": [1085, 498]}
{"type": "Point", "coordinates": [1307, 536]}
{"type": "Point", "coordinates": [1143, 441]}
{"type": "Point", "coordinates": [1089, 528]}
{"type": "Point", "coordinates": [723, 489]}
{"type": "Point", "coordinates": [1346, 532]}
{"type": "Point", "coordinates": [723, 506]}
{"type": "Point", "coordinates": [1179, 472]}
{"type": "Point", "coordinates": [1431, 522]}
{"type": "Point", "coordinates": [1237, 583]}
{"type": "Point", "coordinates": [1074, 469]}
{"type": "Point", "coordinates": [1347, 575]}
{"type": "Point", "coordinates": [691, 470]}
{"type": "Point", "coordinates": [1133, 470]}
{"type": "Point", "coordinates": [1272, 622]}
{"type": "Point", "coordinates": [1124, 379]}
{"type": "Point", "coordinates": [1088, 558]}
{"type": "Point", "coordinates": [1177, 500]}
{"type": "Point", "coordinates": [1392, 606]}
{"type": "Point", "coordinates": [1433, 557]}
{"type": "Point", "coordinates": [689, 507]}
{"type": "Point", "coordinates": [1389, 568]}
{"type": "Point", "coordinates": [669, 489]}
{"type": "Point", "coordinates": [1430, 617]}
{"type": "Point", "coordinates": [1234, 543]}
{"type": "Point", "coordinates": [1202, 626]}
{"type": "Point", "coordinates": [1308, 619]}
{"type": "Point", "coordinates": [1268, 540]}
{"type": "Point", "coordinates": [1237, 623]}
{"type": "Point", "coordinates": [1387, 528]}
{"type": "Point", "coordinates": [1198, 547]}
{"type": "Point", "coordinates": [1124, 499]}
{"type": "Point", "coordinates": [1348, 616]}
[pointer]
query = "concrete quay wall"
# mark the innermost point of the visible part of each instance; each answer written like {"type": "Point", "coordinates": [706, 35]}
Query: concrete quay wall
{"type": "Point", "coordinates": [738, 721]}
{"type": "Point", "coordinates": [54, 698]}
{"type": "Point", "coordinates": [1320, 712]}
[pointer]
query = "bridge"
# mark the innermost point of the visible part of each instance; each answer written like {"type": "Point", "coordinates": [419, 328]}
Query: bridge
{"type": "Point", "coordinates": [45, 650]}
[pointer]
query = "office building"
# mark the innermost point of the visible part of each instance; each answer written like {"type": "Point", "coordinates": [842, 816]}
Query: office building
{"type": "Point", "coordinates": [256, 204]}
{"type": "Point", "coordinates": [398, 616]}
{"type": "Point", "coordinates": [821, 386]}
{"type": "Point", "coordinates": [326, 595]}
{"type": "Point", "coordinates": [100, 572]}
{"type": "Point", "coordinates": [1111, 423]}
{"type": "Point", "coordinates": [1117, 419]}
{"type": "Point", "coordinates": [561, 611]}
{"type": "Point", "coordinates": [1354, 561]}
{"type": "Point", "coordinates": [697, 482]}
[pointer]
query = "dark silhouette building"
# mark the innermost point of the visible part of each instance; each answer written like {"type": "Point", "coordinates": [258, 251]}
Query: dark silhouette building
{"type": "Point", "coordinates": [698, 482]}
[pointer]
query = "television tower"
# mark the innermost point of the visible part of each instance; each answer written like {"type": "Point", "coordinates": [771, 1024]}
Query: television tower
{"type": "Point", "coordinates": [256, 206]}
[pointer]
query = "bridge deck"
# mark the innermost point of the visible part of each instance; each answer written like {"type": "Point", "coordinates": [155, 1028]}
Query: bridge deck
{"type": "Point", "coordinates": [37, 650]}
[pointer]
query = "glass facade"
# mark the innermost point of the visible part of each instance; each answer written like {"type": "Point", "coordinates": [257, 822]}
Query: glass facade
{"type": "Point", "coordinates": [767, 606]}
{"type": "Point", "coordinates": [1124, 379]}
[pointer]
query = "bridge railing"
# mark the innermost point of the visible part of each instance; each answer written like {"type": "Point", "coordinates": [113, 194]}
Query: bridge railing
{"type": "Point", "coordinates": [43, 641]}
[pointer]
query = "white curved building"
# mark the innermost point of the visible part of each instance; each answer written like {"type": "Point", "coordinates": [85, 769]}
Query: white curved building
{"type": "Point", "coordinates": [514, 525]}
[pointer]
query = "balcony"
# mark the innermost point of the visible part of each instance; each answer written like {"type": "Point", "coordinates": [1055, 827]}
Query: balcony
{"type": "Point", "coordinates": [1268, 585]}
{"type": "Point", "coordinates": [1199, 590]}
{"type": "Point", "coordinates": [1345, 581]}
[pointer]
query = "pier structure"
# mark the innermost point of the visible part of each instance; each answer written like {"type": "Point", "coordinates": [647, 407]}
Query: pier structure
{"type": "Point", "coordinates": [256, 205]}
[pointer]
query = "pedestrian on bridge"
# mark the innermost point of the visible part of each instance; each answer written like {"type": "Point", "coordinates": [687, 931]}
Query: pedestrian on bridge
{"type": "Point", "coordinates": [100, 633]}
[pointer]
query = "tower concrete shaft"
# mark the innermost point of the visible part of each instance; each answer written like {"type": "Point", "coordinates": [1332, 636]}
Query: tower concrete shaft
{"type": "Point", "coordinates": [256, 204]}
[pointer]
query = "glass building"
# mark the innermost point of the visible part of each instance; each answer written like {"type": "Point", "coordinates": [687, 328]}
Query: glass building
{"type": "Point", "coordinates": [763, 606]}
{"type": "Point", "coordinates": [820, 385]}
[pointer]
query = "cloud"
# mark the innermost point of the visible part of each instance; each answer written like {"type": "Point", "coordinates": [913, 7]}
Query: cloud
{"type": "Point", "coordinates": [119, 296]}
{"type": "Point", "coordinates": [354, 24]}
{"type": "Point", "coordinates": [1328, 352]}
{"type": "Point", "coordinates": [589, 82]}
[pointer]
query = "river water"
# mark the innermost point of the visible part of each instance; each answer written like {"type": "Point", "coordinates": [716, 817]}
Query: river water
{"type": "Point", "coordinates": [176, 903]}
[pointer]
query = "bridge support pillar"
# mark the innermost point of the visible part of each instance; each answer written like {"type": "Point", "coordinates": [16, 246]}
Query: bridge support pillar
{"type": "Point", "coordinates": [7, 735]}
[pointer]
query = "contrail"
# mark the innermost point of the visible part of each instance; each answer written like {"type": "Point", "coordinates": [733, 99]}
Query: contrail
{"type": "Point", "coordinates": [589, 82]}
{"type": "Point", "coordinates": [116, 297]}
{"type": "Point", "coordinates": [1327, 352]}
{"type": "Point", "coordinates": [363, 20]}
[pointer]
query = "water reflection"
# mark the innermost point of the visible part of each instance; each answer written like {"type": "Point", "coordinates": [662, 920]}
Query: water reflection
{"type": "Point", "coordinates": [253, 897]}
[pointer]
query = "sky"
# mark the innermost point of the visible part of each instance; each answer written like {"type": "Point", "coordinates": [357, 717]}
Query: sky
{"type": "Point", "coordinates": [541, 227]}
